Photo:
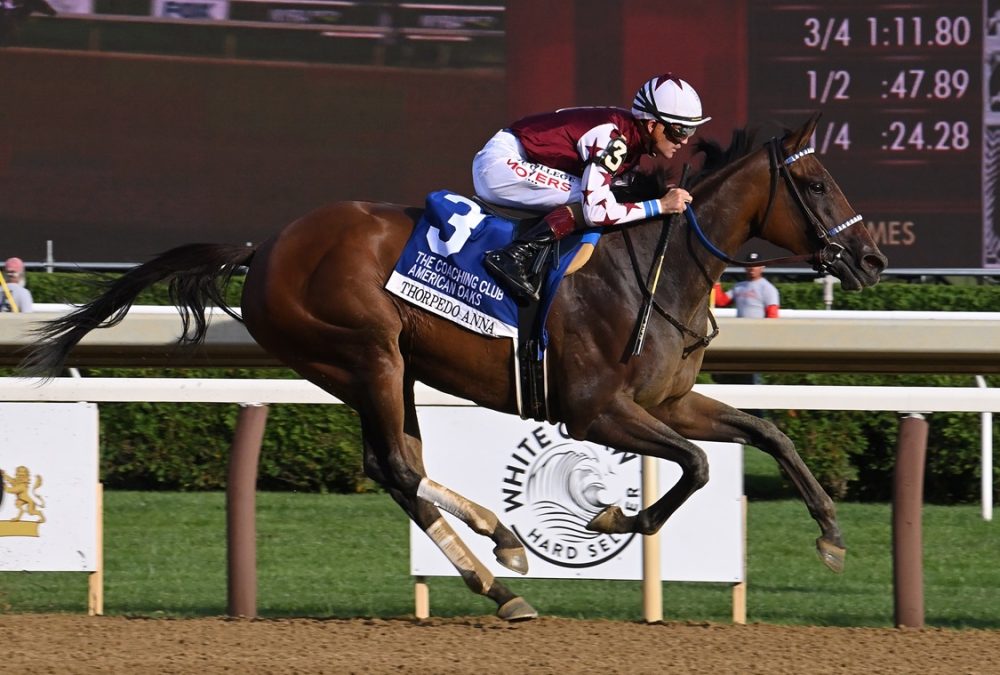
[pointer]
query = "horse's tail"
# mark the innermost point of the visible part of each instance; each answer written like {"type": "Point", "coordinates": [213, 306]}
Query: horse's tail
{"type": "Point", "coordinates": [197, 274]}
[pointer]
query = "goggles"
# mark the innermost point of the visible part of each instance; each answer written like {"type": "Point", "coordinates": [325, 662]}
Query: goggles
{"type": "Point", "coordinates": [678, 132]}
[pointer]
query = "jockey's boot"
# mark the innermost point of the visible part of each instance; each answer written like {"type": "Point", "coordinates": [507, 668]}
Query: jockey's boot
{"type": "Point", "coordinates": [518, 266]}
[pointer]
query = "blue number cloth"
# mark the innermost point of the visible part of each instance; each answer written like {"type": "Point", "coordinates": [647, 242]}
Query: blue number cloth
{"type": "Point", "coordinates": [441, 269]}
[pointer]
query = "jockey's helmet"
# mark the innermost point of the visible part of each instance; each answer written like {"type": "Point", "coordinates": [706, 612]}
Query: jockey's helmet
{"type": "Point", "coordinates": [670, 100]}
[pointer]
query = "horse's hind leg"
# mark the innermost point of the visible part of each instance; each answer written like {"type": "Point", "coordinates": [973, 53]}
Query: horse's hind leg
{"type": "Point", "coordinates": [480, 580]}
{"type": "Point", "coordinates": [509, 550]}
{"type": "Point", "coordinates": [428, 517]}
{"type": "Point", "coordinates": [393, 457]}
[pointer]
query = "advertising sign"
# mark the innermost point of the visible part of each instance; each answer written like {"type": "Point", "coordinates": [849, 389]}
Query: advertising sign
{"type": "Point", "coordinates": [546, 487]}
{"type": "Point", "coordinates": [48, 503]}
{"type": "Point", "coordinates": [72, 6]}
{"type": "Point", "coordinates": [217, 10]}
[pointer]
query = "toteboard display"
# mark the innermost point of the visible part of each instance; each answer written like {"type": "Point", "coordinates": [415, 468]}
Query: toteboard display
{"type": "Point", "coordinates": [911, 114]}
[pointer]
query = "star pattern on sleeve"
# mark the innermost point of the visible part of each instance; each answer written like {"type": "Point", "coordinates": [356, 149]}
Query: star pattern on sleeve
{"type": "Point", "coordinates": [593, 150]}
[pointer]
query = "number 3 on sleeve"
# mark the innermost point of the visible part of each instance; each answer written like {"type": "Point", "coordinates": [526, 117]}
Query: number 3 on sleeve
{"type": "Point", "coordinates": [614, 155]}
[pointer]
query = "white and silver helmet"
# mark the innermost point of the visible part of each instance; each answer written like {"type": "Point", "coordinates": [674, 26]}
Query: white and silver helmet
{"type": "Point", "coordinates": [670, 100]}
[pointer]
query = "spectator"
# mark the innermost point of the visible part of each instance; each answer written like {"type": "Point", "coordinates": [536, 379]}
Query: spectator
{"type": "Point", "coordinates": [16, 298]}
{"type": "Point", "coordinates": [755, 298]}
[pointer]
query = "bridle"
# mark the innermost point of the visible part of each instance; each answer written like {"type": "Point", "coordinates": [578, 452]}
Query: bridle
{"type": "Point", "coordinates": [820, 260]}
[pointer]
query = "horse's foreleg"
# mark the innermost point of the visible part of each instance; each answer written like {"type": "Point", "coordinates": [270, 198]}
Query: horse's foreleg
{"type": "Point", "coordinates": [630, 428]}
{"type": "Point", "coordinates": [701, 418]}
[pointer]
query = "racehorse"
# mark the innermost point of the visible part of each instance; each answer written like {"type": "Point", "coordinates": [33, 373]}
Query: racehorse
{"type": "Point", "coordinates": [314, 297]}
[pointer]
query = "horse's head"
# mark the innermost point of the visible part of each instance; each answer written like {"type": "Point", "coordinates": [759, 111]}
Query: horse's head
{"type": "Point", "coordinates": [807, 213]}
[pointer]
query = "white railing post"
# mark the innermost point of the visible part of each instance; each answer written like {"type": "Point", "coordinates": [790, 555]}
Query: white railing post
{"type": "Point", "coordinates": [986, 458]}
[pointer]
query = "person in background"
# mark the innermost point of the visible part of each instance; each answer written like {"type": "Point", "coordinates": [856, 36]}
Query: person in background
{"type": "Point", "coordinates": [755, 298]}
{"type": "Point", "coordinates": [13, 273]}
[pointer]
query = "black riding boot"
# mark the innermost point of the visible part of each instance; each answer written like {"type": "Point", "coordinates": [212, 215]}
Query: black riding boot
{"type": "Point", "coordinates": [517, 266]}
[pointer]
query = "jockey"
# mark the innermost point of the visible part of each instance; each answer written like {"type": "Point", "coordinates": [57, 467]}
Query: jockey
{"type": "Point", "coordinates": [571, 156]}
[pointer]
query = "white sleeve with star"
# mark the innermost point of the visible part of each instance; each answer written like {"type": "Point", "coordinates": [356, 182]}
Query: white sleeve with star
{"type": "Point", "coordinates": [603, 150]}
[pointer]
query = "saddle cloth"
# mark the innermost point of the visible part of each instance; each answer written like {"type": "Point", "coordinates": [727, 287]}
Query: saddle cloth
{"type": "Point", "coordinates": [441, 271]}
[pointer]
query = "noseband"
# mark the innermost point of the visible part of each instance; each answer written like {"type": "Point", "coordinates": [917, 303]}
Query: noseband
{"type": "Point", "coordinates": [821, 260]}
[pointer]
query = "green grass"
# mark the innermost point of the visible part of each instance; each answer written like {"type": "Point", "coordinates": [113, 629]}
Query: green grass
{"type": "Point", "coordinates": [347, 556]}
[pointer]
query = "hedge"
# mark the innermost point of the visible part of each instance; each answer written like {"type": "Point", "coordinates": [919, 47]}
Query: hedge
{"type": "Point", "coordinates": [317, 448]}
{"type": "Point", "coordinates": [853, 453]}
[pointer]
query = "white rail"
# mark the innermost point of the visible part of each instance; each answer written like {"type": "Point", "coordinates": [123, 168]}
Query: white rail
{"type": "Point", "coordinates": [773, 397]}
{"type": "Point", "coordinates": [776, 397]}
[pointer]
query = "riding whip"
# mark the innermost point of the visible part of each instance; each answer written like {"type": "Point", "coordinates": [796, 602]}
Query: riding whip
{"type": "Point", "coordinates": [647, 307]}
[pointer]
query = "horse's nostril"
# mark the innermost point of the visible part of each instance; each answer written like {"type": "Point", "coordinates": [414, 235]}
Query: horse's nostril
{"type": "Point", "coordinates": [875, 262]}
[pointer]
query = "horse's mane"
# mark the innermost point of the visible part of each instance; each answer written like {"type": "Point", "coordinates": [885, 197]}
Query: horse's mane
{"type": "Point", "coordinates": [652, 185]}
{"type": "Point", "coordinates": [716, 158]}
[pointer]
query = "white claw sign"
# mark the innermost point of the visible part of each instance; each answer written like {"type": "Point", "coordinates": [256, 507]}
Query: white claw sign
{"type": "Point", "coordinates": [546, 487]}
{"type": "Point", "coordinates": [48, 502]}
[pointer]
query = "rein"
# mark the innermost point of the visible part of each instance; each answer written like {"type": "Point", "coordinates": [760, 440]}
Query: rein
{"type": "Point", "coordinates": [820, 260]}
{"type": "Point", "coordinates": [701, 340]}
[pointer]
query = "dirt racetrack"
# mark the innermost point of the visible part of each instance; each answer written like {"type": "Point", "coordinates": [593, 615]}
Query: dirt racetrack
{"type": "Point", "coordinates": [36, 644]}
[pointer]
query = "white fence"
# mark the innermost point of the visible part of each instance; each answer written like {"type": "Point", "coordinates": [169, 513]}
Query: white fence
{"type": "Point", "coordinates": [774, 397]}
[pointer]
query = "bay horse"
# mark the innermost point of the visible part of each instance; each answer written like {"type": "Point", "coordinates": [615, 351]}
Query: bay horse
{"type": "Point", "coordinates": [314, 297]}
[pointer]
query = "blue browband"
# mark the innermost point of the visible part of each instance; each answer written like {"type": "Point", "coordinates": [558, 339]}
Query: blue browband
{"type": "Point", "coordinates": [844, 225]}
{"type": "Point", "coordinates": [799, 155]}
{"type": "Point", "coordinates": [833, 231]}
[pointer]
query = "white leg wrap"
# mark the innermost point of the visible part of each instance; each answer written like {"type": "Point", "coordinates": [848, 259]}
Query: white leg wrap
{"type": "Point", "coordinates": [456, 505]}
{"type": "Point", "coordinates": [456, 552]}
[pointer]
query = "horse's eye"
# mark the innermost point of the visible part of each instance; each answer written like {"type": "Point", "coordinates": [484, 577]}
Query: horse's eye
{"type": "Point", "coordinates": [817, 188]}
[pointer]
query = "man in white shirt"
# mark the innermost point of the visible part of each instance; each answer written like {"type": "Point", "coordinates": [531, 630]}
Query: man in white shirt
{"type": "Point", "coordinates": [19, 298]}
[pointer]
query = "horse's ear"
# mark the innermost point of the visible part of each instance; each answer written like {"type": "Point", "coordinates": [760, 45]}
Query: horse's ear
{"type": "Point", "coordinates": [800, 139]}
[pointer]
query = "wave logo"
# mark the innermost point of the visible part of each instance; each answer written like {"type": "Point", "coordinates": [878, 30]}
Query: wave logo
{"type": "Point", "coordinates": [553, 488]}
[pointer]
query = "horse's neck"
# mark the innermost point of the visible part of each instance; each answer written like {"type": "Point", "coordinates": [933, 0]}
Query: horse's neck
{"type": "Point", "coordinates": [725, 205]}
{"type": "Point", "coordinates": [724, 215]}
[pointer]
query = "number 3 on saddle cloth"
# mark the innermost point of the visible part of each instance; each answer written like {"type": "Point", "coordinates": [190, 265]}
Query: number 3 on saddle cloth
{"type": "Point", "coordinates": [441, 271]}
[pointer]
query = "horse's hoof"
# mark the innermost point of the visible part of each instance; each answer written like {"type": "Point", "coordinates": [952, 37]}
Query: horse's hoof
{"type": "Point", "coordinates": [516, 609]}
{"type": "Point", "coordinates": [514, 559]}
{"type": "Point", "coordinates": [610, 521]}
{"type": "Point", "coordinates": [831, 554]}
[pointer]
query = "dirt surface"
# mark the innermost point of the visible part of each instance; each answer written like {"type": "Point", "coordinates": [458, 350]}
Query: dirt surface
{"type": "Point", "coordinates": [79, 644]}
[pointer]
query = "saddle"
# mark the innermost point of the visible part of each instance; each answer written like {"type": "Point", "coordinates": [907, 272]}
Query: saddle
{"type": "Point", "coordinates": [529, 362]}
{"type": "Point", "coordinates": [526, 219]}
{"type": "Point", "coordinates": [441, 271]}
